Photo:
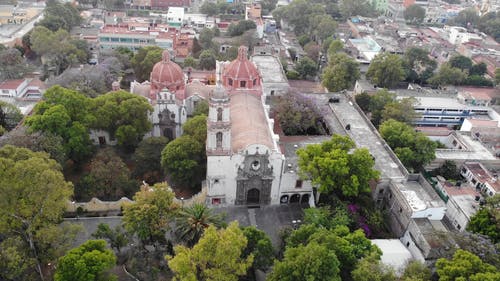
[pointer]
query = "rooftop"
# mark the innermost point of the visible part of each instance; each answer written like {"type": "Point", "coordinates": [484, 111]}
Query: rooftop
{"type": "Point", "coordinates": [474, 151]}
{"type": "Point", "coordinates": [270, 68]}
{"type": "Point", "coordinates": [394, 253]}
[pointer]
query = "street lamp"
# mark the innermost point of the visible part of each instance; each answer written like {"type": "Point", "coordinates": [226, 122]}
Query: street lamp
{"type": "Point", "coordinates": [182, 202]}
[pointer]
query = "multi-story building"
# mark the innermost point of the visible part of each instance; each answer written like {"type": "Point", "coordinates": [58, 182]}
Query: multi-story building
{"type": "Point", "coordinates": [478, 176]}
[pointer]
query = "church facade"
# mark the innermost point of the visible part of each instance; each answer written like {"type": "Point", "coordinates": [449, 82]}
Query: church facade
{"type": "Point", "coordinates": [245, 163]}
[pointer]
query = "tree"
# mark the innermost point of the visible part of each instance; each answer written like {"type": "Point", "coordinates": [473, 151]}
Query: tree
{"type": "Point", "coordinates": [306, 67]}
{"type": "Point", "coordinates": [487, 220]}
{"type": "Point", "coordinates": [371, 269]}
{"type": "Point", "coordinates": [298, 15]}
{"type": "Point", "coordinates": [350, 8]}
{"type": "Point", "coordinates": [56, 48]}
{"type": "Point", "coordinates": [60, 15]}
{"type": "Point", "coordinates": [400, 110]}
{"type": "Point", "coordinates": [417, 271]}
{"type": "Point", "coordinates": [324, 26]}
{"type": "Point", "coordinates": [461, 62]}
{"type": "Point", "coordinates": [334, 47]}
{"type": "Point", "coordinates": [341, 73]}
{"type": "Point", "coordinates": [207, 60]}
{"type": "Point", "coordinates": [123, 114]}
{"type": "Point", "coordinates": [147, 158]}
{"type": "Point", "coordinates": [378, 103]}
{"type": "Point", "coordinates": [298, 115]}
{"type": "Point", "coordinates": [192, 221]}
{"type": "Point", "coordinates": [216, 256]}
{"type": "Point", "coordinates": [448, 75]}
{"type": "Point", "coordinates": [478, 69]}
{"type": "Point", "coordinates": [10, 115]}
{"type": "Point", "coordinates": [448, 170]}
{"type": "Point", "coordinates": [12, 65]}
{"type": "Point", "coordinates": [386, 70]}
{"type": "Point", "coordinates": [414, 149]}
{"type": "Point", "coordinates": [312, 50]}
{"type": "Point", "coordinates": [208, 8]}
{"type": "Point", "coordinates": [260, 246]}
{"type": "Point", "coordinates": [363, 100]}
{"type": "Point", "coordinates": [190, 62]}
{"type": "Point", "coordinates": [88, 262]}
{"type": "Point", "coordinates": [335, 168]}
{"type": "Point", "coordinates": [240, 28]}
{"type": "Point", "coordinates": [116, 238]}
{"type": "Point", "coordinates": [465, 266]}
{"type": "Point", "coordinates": [183, 161]}
{"type": "Point", "coordinates": [34, 198]}
{"type": "Point", "coordinates": [466, 18]}
{"type": "Point", "coordinates": [144, 60]}
{"type": "Point", "coordinates": [108, 178]}
{"type": "Point", "coordinates": [497, 76]}
{"type": "Point", "coordinates": [310, 262]}
{"type": "Point", "coordinates": [201, 108]}
{"type": "Point", "coordinates": [489, 23]}
{"type": "Point", "coordinates": [64, 113]}
{"type": "Point", "coordinates": [196, 127]}
{"type": "Point", "coordinates": [206, 38]}
{"type": "Point", "coordinates": [414, 14]}
{"type": "Point", "coordinates": [418, 64]}
{"type": "Point", "coordinates": [148, 217]}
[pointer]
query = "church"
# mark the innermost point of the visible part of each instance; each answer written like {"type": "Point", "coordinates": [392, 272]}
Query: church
{"type": "Point", "coordinates": [246, 164]}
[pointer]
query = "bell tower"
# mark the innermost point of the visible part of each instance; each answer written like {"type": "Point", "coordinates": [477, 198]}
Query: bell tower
{"type": "Point", "coordinates": [219, 123]}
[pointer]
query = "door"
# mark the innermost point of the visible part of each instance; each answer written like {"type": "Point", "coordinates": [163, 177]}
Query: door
{"type": "Point", "coordinates": [253, 196]}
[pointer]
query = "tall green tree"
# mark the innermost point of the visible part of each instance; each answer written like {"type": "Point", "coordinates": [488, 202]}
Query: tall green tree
{"type": "Point", "coordinates": [144, 60]}
{"type": "Point", "coordinates": [59, 15]}
{"type": "Point", "coordinates": [12, 64]}
{"type": "Point", "coordinates": [260, 246]}
{"type": "Point", "coordinates": [371, 269]}
{"type": "Point", "coordinates": [335, 168]}
{"type": "Point", "coordinates": [487, 220]}
{"type": "Point", "coordinates": [34, 198]}
{"type": "Point", "coordinates": [207, 59]}
{"type": "Point", "coordinates": [10, 115]}
{"type": "Point", "coordinates": [466, 18]}
{"type": "Point", "coordinates": [448, 75]}
{"type": "Point", "coordinates": [183, 161]}
{"type": "Point", "coordinates": [88, 262]}
{"type": "Point", "coordinates": [196, 127]}
{"type": "Point", "coordinates": [461, 62]}
{"type": "Point", "coordinates": [306, 67]}
{"type": "Point", "coordinates": [414, 14]}
{"type": "Point", "coordinates": [116, 237]}
{"type": "Point", "coordinates": [192, 221]}
{"type": "Point", "coordinates": [148, 217]}
{"type": "Point", "coordinates": [386, 70]}
{"type": "Point", "coordinates": [341, 73]}
{"type": "Point", "coordinates": [418, 64]}
{"type": "Point", "coordinates": [216, 256]}
{"type": "Point", "coordinates": [466, 266]}
{"type": "Point", "coordinates": [310, 262]}
{"type": "Point", "coordinates": [122, 114]}
{"type": "Point", "coordinates": [65, 113]}
{"type": "Point", "coordinates": [400, 110]}
{"type": "Point", "coordinates": [414, 149]}
{"type": "Point", "coordinates": [147, 158]}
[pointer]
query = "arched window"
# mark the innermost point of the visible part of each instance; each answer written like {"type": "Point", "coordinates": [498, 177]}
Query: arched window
{"type": "Point", "coordinates": [230, 81]}
{"type": "Point", "coordinates": [219, 114]}
{"type": "Point", "coordinates": [218, 138]}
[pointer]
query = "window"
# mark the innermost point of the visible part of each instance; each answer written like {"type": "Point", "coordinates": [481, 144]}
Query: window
{"type": "Point", "coordinates": [298, 184]}
{"type": "Point", "coordinates": [459, 226]}
{"type": "Point", "coordinates": [243, 84]}
{"type": "Point", "coordinates": [474, 181]}
{"type": "Point", "coordinates": [230, 81]}
{"type": "Point", "coordinates": [272, 93]}
{"type": "Point", "coordinates": [215, 201]}
{"type": "Point", "coordinates": [219, 114]}
{"type": "Point", "coordinates": [254, 82]}
{"type": "Point", "coordinates": [218, 138]}
{"type": "Point", "coordinates": [407, 244]}
{"type": "Point", "coordinates": [400, 210]}
{"type": "Point", "coordinates": [216, 181]}
{"type": "Point", "coordinates": [381, 191]}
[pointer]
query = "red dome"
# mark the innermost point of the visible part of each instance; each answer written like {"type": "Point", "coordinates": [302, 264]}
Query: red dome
{"type": "Point", "coordinates": [167, 74]}
{"type": "Point", "coordinates": [241, 73]}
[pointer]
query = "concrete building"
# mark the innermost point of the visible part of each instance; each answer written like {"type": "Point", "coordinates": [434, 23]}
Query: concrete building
{"type": "Point", "coordinates": [394, 253]}
{"type": "Point", "coordinates": [175, 16]}
{"type": "Point", "coordinates": [478, 176]}
{"type": "Point", "coordinates": [27, 89]}
{"type": "Point", "coordinates": [459, 35]}
{"type": "Point", "coordinates": [274, 81]}
{"type": "Point", "coordinates": [364, 49]}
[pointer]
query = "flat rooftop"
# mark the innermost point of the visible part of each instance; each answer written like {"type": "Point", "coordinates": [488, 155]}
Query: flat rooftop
{"type": "Point", "coordinates": [394, 253]}
{"type": "Point", "coordinates": [474, 151]}
{"type": "Point", "coordinates": [418, 197]}
{"type": "Point", "coordinates": [435, 102]}
{"type": "Point", "coordinates": [270, 68]}
{"type": "Point", "coordinates": [365, 135]}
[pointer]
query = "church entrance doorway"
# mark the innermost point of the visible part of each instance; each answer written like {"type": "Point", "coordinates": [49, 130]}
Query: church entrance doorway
{"type": "Point", "coordinates": [295, 198]}
{"type": "Point", "coordinates": [253, 196]}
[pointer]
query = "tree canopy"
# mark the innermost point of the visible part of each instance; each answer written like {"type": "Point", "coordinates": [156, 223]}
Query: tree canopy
{"type": "Point", "coordinates": [88, 262]}
{"type": "Point", "coordinates": [466, 266]}
{"type": "Point", "coordinates": [183, 161]}
{"type": "Point", "coordinates": [414, 14]}
{"type": "Point", "coordinates": [298, 115]}
{"type": "Point", "coordinates": [192, 221]}
{"type": "Point", "coordinates": [418, 65]}
{"type": "Point", "coordinates": [144, 60]}
{"type": "Point", "coordinates": [149, 215]}
{"type": "Point", "coordinates": [34, 198]}
{"type": "Point", "coordinates": [335, 166]}
{"type": "Point", "coordinates": [216, 257]}
{"type": "Point", "coordinates": [487, 220]}
{"type": "Point", "coordinates": [306, 67]}
{"type": "Point", "coordinates": [147, 158]}
{"type": "Point", "coordinates": [414, 149]}
{"type": "Point", "coordinates": [59, 15]}
{"type": "Point", "coordinates": [386, 70]}
{"type": "Point", "coordinates": [12, 64]}
{"type": "Point", "coordinates": [341, 73]}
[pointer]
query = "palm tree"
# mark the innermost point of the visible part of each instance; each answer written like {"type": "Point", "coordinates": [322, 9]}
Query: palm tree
{"type": "Point", "coordinates": [192, 221]}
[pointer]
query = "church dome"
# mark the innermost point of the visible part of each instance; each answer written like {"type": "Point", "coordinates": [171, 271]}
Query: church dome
{"type": "Point", "coordinates": [241, 73]}
{"type": "Point", "coordinates": [167, 74]}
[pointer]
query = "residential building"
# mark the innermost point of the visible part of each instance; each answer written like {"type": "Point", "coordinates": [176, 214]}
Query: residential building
{"type": "Point", "coordinates": [165, 4]}
{"type": "Point", "coordinates": [274, 81]}
{"type": "Point", "coordinates": [364, 49]}
{"type": "Point", "coordinates": [481, 178]}
{"type": "Point", "coordinates": [175, 16]}
{"type": "Point", "coordinates": [26, 89]}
